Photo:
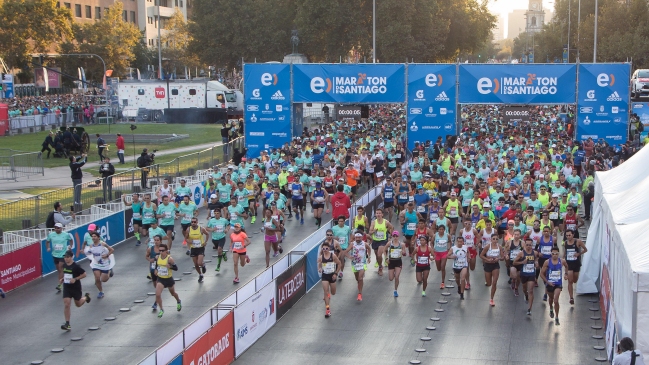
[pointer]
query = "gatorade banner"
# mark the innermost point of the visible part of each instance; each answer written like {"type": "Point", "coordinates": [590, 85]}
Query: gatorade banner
{"type": "Point", "coordinates": [267, 112]}
{"type": "Point", "coordinates": [215, 347]}
{"type": "Point", "coordinates": [431, 102]}
{"type": "Point", "coordinates": [603, 102]}
{"type": "Point", "coordinates": [518, 84]}
{"type": "Point", "coordinates": [350, 83]}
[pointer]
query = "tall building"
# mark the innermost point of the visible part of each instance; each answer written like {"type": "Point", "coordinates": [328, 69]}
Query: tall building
{"type": "Point", "coordinates": [516, 23]}
{"type": "Point", "coordinates": [143, 13]}
{"type": "Point", "coordinates": [499, 30]}
{"type": "Point", "coordinates": [535, 16]}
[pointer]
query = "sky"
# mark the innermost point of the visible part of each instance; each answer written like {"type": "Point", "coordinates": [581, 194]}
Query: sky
{"type": "Point", "coordinates": [504, 7]}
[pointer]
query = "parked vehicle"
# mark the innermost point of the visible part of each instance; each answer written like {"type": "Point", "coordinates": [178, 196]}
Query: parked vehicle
{"type": "Point", "coordinates": [640, 84]}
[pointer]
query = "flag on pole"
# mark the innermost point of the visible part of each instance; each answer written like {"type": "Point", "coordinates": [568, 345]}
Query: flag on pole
{"type": "Point", "coordinates": [47, 80]}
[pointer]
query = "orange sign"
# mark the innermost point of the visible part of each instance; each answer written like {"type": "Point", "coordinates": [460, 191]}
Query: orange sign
{"type": "Point", "coordinates": [216, 347]}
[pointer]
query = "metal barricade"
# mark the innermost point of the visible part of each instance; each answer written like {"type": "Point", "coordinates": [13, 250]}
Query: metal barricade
{"type": "Point", "coordinates": [17, 165]}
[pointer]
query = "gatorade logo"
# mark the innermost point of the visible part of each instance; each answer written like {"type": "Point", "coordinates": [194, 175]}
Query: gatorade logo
{"type": "Point", "coordinates": [268, 79]}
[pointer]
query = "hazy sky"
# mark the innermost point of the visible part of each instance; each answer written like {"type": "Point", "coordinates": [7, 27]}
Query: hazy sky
{"type": "Point", "coordinates": [503, 7]}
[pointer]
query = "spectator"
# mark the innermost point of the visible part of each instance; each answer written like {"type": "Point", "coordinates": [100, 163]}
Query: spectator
{"type": "Point", "coordinates": [225, 137]}
{"type": "Point", "coordinates": [340, 203]}
{"type": "Point", "coordinates": [77, 176]}
{"type": "Point", "coordinates": [49, 141]}
{"type": "Point", "coordinates": [627, 354]}
{"type": "Point", "coordinates": [143, 162]}
{"type": "Point", "coordinates": [238, 156]}
{"type": "Point", "coordinates": [60, 216]}
{"type": "Point", "coordinates": [119, 143]}
{"type": "Point", "coordinates": [101, 145]}
{"type": "Point", "coordinates": [107, 170]}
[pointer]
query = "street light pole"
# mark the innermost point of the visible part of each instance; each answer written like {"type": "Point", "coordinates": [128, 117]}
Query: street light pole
{"type": "Point", "coordinates": [595, 41]}
{"type": "Point", "coordinates": [569, 8]}
{"type": "Point", "coordinates": [88, 54]}
{"type": "Point", "coordinates": [159, 42]}
{"type": "Point", "coordinates": [578, 27]}
{"type": "Point", "coordinates": [373, 31]}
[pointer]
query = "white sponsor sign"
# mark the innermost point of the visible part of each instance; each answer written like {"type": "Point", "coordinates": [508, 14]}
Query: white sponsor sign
{"type": "Point", "coordinates": [254, 317]}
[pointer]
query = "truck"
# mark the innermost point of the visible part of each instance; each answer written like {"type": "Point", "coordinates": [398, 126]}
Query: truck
{"type": "Point", "coordinates": [177, 101]}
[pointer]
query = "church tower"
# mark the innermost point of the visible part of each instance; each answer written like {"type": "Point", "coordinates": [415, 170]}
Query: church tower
{"type": "Point", "coordinates": [535, 16]}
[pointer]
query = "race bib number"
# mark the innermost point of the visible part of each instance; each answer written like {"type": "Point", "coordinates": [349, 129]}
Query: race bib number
{"type": "Point", "coordinates": [422, 260]}
{"type": "Point", "coordinates": [529, 228]}
{"type": "Point", "coordinates": [163, 271]}
{"type": "Point", "coordinates": [359, 266]}
{"type": "Point", "coordinates": [224, 196]}
{"type": "Point", "coordinates": [342, 241]}
{"type": "Point", "coordinates": [513, 254]}
{"type": "Point", "coordinates": [241, 198]}
{"type": "Point", "coordinates": [441, 243]}
{"type": "Point", "coordinates": [328, 267]}
{"type": "Point", "coordinates": [403, 196]}
{"type": "Point", "coordinates": [312, 183]}
{"type": "Point", "coordinates": [237, 245]}
{"type": "Point", "coordinates": [571, 227]}
{"type": "Point", "coordinates": [554, 276]}
{"type": "Point", "coordinates": [268, 225]}
{"type": "Point", "coordinates": [328, 184]}
{"type": "Point", "coordinates": [233, 215]}
{"type": "Point", "coordinates": [466, 202]}
{"type": "Point", "coordinates": [433, 216]}
{"type": "Point", "coordinates": [411, 226]}
{"type": "Point", "coordinates": [570, 255]}
{"type": "Point", "coordinates": [528, 268]}
{"type": "Point", "coordinates": [388, 195]}
{"type": "Point", "coordinates": [380, 235]}
{"type": "Point", "coordinates": [320, 199]}
{"type": "Point", "coordinates": [493, 253]}
{"type": "Point", "coordinates": [167, 215]}
{"type": "Point", "coordinates": [219, 229]}
{"type": "Point", "coordinates": [296, 192]}
{"type": "Point", "coordinates": [563, 215]}
{"type": "Point", "coordinates": [398, 155]}
{"type": "Point", "coordinates": [66, 278]}
{"type": "Point", "coordinates": [148, 215]}
{"type": "Point", "coordinates": [188, 216]}
{"type": "Point", "coordinates": [196, 243]}
{"type": "Point", "coordinates": [460, 262]}
{"type": "Point", "coordinates": [379, 174]}
{"type": "Point", "coordinates": [395, 253]}
{"type": "Point", "coordinates": [421, 209]}
{"type": "Point", "coordinates": [453, 212]}
{"type": "Point", "coordinates": [137, 216]}
{"type": "Point", "coordinates": [546, 250]}
{"type": "Point", "coordinates": [58, 247]}
{"type": "Point", "coordinates": [411, 198]}
{"type": "Point", "coordinates": [554, 215]}
{"type": "Point", "coordinates": [153, 265]}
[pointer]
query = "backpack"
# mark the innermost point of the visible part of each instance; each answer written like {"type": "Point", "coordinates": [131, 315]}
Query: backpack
{"type": "Point", "coordinates": [49, 222]}
{"type": "Point", "coordinates": [140, 162]}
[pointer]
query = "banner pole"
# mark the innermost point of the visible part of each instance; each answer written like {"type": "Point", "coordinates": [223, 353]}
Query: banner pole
{"type": "Point", "coordinates": [576, 119]}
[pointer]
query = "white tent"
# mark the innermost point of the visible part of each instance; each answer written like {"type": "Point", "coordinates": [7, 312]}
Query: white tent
{"type": "Point", "coordinates": [618, 180]}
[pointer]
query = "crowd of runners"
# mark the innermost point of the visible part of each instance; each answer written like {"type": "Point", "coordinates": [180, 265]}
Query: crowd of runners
{"type": "Point", "coordinates": [506, 194]}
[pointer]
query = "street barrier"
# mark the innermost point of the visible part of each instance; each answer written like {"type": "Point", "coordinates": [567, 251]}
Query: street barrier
{"type": "Point", "coordinates": [20, 266]}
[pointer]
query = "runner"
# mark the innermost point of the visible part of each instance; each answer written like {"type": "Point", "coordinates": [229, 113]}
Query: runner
{"type": "Point", "coordinates": [197, 237]}
{"type": "Point", "coordinates": [270, 229]}
{"type": "Point", "coordinates": [491, 254]}
{"type": "Point", "coordinates": [186, 211]}
{"type": "Point", "coordinates": [328, 267]}
{"type": "Point", "coordinates": [359, 253]}
{"type": "Point", "coordinates": [551, 275]}
{"type": "Point", "coordinates": [513, 247]}
{"type": "Point", "coordinates": [148, 216]}
{"type": "Point", "coordinates": [151, 256]}
{"type": "Point", "coordinates": [470, 236]}
{"type": "Point", "coordinates": [239, 241]}
{"type": "Point", "coordinates": [218, 226]}
{"type": "Point", "coordinates": [544, 247]}
{"type": "Point", "coordinates": [236, 214]}
{"type": "Point", "coordinates": [396, 249]}
{"type": "Point", "coordinates": [136, 207]}
{"type": "Point", "coordinates": [452, 208]}
{"type": "Point", "coordinates": [442, 244]}
{"type": "Point", "coordinates": [319, 198]}
{"type": "Point", "coordinates": [58, 242]}
{"type": "Point", "coordinates": [166, 212]}
{"type": "Point", "coordinates": [528, 260]}
{"type": "Point", "coordinates": [408, 219]}
{"type": "Point", "coordinates": [379, 230]}
{"type": "Point", "coordinates": [71, 281]}
{"type": "Point", "coordinates": [164, 190]}
{"type": "Point", "coordinates": [422, 269]}
{"type": "Point", "coordinates": [102, 261]}
{"type": "Point", "coordinates": [164, 265]}
{"type": "Point", "coordinates": [253, 195]}
{"type": "Point", "coordinates": [387, 192]}
{"type": "Point", "coordinates": [342, 233]}
{"type": "Point", "coordinates": [361, 222]}
{"type": "Point", "coordinates": [297, 191]}
{"type": "Point", "coordinates": [460, 255]}
{"type": "Point", "coordinates": [574, 250]}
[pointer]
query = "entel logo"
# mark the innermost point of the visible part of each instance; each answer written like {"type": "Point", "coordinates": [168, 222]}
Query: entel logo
{"type": "Point", "coordinates": [159, 92]}
{"type": "Point", "coordinates": [485, 84]}
{"type": "Point", "coordinates": [433, 80]}
{"type": "Point", "coordinates": [197, 195]}
{"type": "Point", "coordinates": [603, 80]}
{"type": "Point", "coordinates": [268, 79]}
{"type": "Point", "coordinates": [318, 83]}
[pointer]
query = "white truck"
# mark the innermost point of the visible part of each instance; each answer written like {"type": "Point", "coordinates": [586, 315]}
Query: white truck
{"type": "Point", "coordinates": [203, 101]}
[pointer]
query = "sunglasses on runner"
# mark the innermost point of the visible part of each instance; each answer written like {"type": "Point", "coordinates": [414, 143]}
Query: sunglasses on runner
{"type": "Point", "coordinates": [325, 248]}
{"type": "Point", "coordinates": [162, 250]}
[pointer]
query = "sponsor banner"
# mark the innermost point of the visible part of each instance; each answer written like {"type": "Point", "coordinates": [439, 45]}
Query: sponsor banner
{"type": "Point", "coordinates": [267, 112]}
{"type": "Point", "coordinates": [431, 102]}
{"type": "Point", "coordinates": [325, 83]}
{"type": "Point", "coordinates": [254, 317]}
{"type": "Point", "coordinates": [128, 223]}
{"type": "Point", "coordinates": [312, 274]}
{"type": "Point", "coordinates": [19, 267]}
{"type": "Point", "coordinates": [198, 194]}
{"type": "Point", "coordinates": [642, 109]}
{"type": "Point", "coordinates": [291, 286]}
{"type": "Point", "coordinates": [349, 112]}
{"type": "Point", "coordinates": [603, 102]}
{"type": "Point", "coordinates": [53, 77]}
{"type": "Point", "coordinates": [216, 347]}
{"type": "Point", "coordinates": [298, 119]}
{"type": "Point", "coordinates": [110, 228]}
{"type": "Point", "coordinates": [515, 113]}
{"type": "Point", "coordinates": [177, 361]}
{"type": "Point", "coordinates": [518, 84]}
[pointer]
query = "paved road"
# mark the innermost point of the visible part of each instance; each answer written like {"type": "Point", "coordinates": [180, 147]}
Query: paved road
{"type": "Point", "coordinates": [31, 316]}
{"type": "Point", "coordinates": [386, 330]}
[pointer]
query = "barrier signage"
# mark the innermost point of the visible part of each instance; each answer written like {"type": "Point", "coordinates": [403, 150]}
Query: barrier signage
{"type": "Point", "coordinates": [254, 317]}
{"type": "Point", "coordinates": [216, 347]}
{"type": "Point", "coordinates": [19, 267]}
{"type": "Point", "coordinates": [291, 286]}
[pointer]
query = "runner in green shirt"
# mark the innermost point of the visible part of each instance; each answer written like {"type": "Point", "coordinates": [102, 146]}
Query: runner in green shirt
{"type": "Point", "coordinates": [58, 242]}
{"type": "Point", "coordinates": [218, 226]}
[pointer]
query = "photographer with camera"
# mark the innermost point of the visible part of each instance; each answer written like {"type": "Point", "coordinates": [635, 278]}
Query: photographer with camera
{"type": "Point", "coordinates": [627, 354]}
{"type": "Point", "coordinates": [144, 161]}
{"type": "Point", "coordinates": [77, 175]}
{"type": "Point", "coordinates": [107, 170]}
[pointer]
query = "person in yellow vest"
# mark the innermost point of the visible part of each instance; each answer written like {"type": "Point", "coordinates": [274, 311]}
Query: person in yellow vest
{"type": "Point", "coordinates": [164, 265]}
{"type": "Point", "coordinates": [197, 236]}
{"type": "Point", "coordinates": [380, 230]}
{"type": "Point", "coordinates": [452, 208]}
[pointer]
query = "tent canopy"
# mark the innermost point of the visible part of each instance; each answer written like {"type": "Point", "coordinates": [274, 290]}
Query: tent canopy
{"type": "Point", "coordinates": [636, 244]}
{"type": "Point", "coordinates": [630, 205]}
{"type": "Point", "coordinates": [625, 175]}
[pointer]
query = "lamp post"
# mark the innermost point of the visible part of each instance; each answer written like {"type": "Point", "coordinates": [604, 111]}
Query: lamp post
{"type": "Point", "coordinates": [373, 31]}
{"type": "Point", "coordinates": [595, 41]}
{"type": "Point", "coordinates": [159, 42]}
{"type": "Point", "coordinates": [88, 54]}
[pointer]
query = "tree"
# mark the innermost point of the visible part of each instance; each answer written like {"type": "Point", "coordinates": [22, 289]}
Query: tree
{"type": "Point", "coordinates": [111, 38]}
{"type": "Point", "coordinates": [175, 40]}
{"type": "Point", "coordinates": [31, 26]}
{"type": "Point", "coordinates": [469, 29]}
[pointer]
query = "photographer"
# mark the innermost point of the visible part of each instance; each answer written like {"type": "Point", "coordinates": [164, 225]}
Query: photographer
{"type": "Point", "coordinates": [627, 354]}
{"type": "Point", "coordinates": [107, 170]}
{"type": "Point", "coordinates": [144, 161]}
{"type": "Point", "coordinates": [77, 176]}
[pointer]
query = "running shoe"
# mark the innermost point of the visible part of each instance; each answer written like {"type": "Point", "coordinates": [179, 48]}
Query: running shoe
{"type": "Point", "coordinates": [253, 220]}
{"type": "Point", "coordinates": [572, 301]}
{"type": "Point", "coordinates": [412, 262]}
{"type": "Point", "coordinates": [423, 293]}
{"type": "Point", "coordinates": [275, 253]}
{"type": "Point", "coordinates": [442, 286]}
{"type": "Point", "coordinates": [236, 280]}
{"type": "Point", "coordinates": [301, 221]}
{"type": "Point", "coordinates": [2, 293]}
{"type": "Point", "coordinates": [526, 298]}
{"type": "Point", "coordinates": [148, 276]}
{"type": "Point", "coordinates": [179, 306]}
{"type": "Point", "coordinates": [340, 276]}
{"type": "Point", "coordinates": [491, 302]}
{"type": "Point", "coordinates": [516, 293]}
{"type": "Point", "coordinates": [58, 287]}
{"type": "Point", "coordinates": [545, 297]}
{"type": "Point", "coordinates": [396, 294]}
{"type": "Point", "coordinates": [529, 312]}
{"type": "Point", "coordinates": [111, 273]}
{"type": "Point", "coordinates": [138, 243]}
{"type": "Point", "coordinates": [551, 313]}
{"type": "Point", "coordinates": [327, 313]}
{"type": "Point", "coordinates": [536, 285]}
{"type": "Point", "coordinates": [100, 295]}
{"type": "Point", "coordinates": [376, 264]}
{"type": "Point", "coordinates": [188, 252]}
{"type": "Point", "coordinates": [154, 306]}
{"type": "Point", "coordinates": [380, 270]}
{"type": "Point", "coordinates": [359, 297]}
{"type": "Point", "coordinates": [218, 268]}
{"type": "Point", "coordinates": [467, 286]}
{"type": "Point", "coordinates": [247, 259]}
{"type": "Point", "coordinates": [66, 327]}
{"type": "Point", "coordinates": [161, 313]}
{"type": "Point", "coordinates": [87, 296]}
{"type": "Point", "coordinates": [200, 278]}
{"type": "Point", "coordinates": [184, 243]}
{"type": "Point", "coordinates": [225, 257]}
{"type": "Point", "coordinates": [297, 216]}
{"type": "Point", "coordinates": [203, 269]}
{"type": "Point", "coordinates": [461, 296]}
{"type": "Point", "coordinates": [556, 321]}
{"type": "Point", "coordinates": [281, 250]}
{"type": "Point", "coordinates": [173, 235]}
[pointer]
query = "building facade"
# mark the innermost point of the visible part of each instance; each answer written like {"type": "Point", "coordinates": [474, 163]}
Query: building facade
{"type": "Point", "coordinates": [535, 16]}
